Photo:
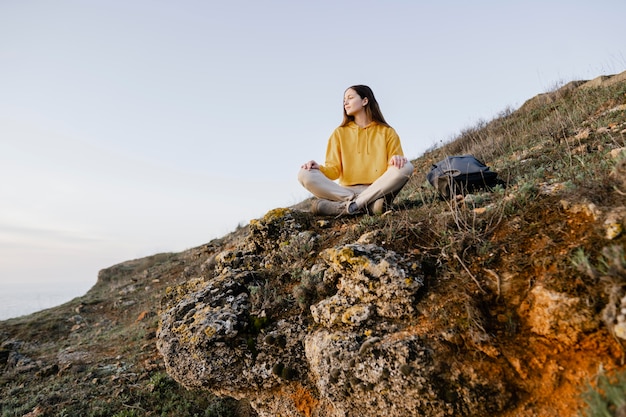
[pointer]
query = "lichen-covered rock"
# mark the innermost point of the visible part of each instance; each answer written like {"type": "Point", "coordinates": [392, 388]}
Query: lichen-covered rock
{"type": "Point", "coordinates": [277, 227]}
{"type": "Point", "coordinates": [374, 376]}
{"type": "Point", "coordinates": [396, 374]}
{"type": "Point", "coordinates": [202, 332]}
{"type": "Point", "coordinates": [239, 332]}
{"type": "Point", "coordinates": [372, 282]}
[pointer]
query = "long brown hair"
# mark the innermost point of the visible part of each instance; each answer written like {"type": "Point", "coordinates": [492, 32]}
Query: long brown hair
{"type": "Point", "coordinates": [371, 109]}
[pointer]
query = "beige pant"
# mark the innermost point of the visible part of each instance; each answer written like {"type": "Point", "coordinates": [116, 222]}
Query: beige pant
{"type": "Point", "coordinates": [387, 185]}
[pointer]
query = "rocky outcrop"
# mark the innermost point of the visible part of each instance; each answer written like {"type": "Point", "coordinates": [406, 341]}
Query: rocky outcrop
{"type": "Point", "coordinates": [563, 91]}
{"type": "Point", "coordinates": [356, 350]}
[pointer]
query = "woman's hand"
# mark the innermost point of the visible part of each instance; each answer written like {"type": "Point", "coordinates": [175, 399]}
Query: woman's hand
{"type": "Point", "coordinates": [398, 161]}
{"type": "Point", "coordinates": [310, 165]}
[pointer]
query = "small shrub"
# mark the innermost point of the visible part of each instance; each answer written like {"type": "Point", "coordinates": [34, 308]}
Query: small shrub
{"type": "Point", "coordinates": [309, 289]}
{"type": "Point", "coordinates": [607, 397]}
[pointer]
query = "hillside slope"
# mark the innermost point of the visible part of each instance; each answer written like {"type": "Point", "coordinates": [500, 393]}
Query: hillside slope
{"type": "Point", "coordinates": [502, 303]}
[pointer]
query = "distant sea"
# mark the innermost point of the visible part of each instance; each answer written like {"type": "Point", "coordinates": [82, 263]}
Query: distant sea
{"type": "Point", "coordinates": [19, 299]}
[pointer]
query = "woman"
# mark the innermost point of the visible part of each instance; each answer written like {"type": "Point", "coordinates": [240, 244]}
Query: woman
{"type": "Point", "coordinates": [364, 154]}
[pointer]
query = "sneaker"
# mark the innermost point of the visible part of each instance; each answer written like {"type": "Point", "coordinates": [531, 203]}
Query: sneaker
{"type": "Point", "coordinates": [321, 207]}
{"type": "Point", "coordinates": [378, 207]}
{"type": "Point", "coordinates": [351, 208]}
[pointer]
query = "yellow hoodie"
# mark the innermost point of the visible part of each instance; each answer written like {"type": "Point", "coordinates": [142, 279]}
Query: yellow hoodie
{"type": "Point", "coordinates": [359, 155]}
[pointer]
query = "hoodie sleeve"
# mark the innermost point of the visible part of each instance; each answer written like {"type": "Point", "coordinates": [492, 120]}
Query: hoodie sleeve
{"type": "Point", "coordinates": [332, 165]}
{"type": "Point", "coordinates": [393, 144]}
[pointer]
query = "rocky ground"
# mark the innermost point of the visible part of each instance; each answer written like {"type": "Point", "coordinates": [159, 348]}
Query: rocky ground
{"type": "Point", "coordinates": [500, 303]}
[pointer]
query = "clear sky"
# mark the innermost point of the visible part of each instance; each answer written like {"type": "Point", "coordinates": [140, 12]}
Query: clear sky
{"type": "Point", "coordinates": [132, 127]}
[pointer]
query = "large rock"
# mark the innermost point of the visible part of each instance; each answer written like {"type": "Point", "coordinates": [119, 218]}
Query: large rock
{"type": "Point", "coordinates": [356, 352]}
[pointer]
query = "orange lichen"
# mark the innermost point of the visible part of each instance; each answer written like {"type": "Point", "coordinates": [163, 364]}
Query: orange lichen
{"type": "Point", "coordinates": [304, 401]}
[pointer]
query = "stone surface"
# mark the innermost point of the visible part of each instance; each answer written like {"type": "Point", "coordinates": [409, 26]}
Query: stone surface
{"type": "Point", "coordinates": [353, 353]}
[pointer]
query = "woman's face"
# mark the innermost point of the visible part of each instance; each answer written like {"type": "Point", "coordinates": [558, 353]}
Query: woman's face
{"type": "Point", "coordinates": [353, 103]}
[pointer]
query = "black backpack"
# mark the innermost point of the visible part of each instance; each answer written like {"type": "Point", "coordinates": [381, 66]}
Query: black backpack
{"type": "Point", "coordinates": [460, 175]}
